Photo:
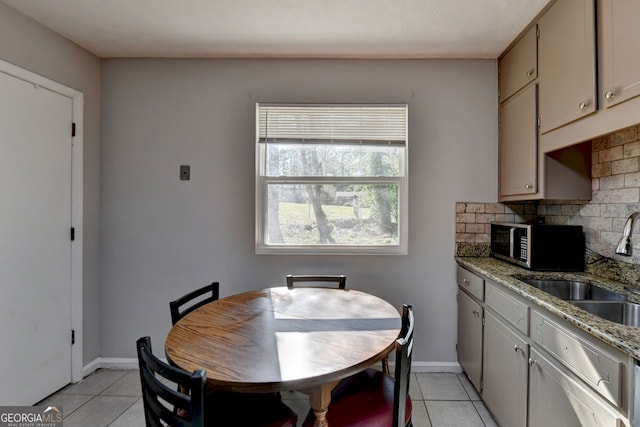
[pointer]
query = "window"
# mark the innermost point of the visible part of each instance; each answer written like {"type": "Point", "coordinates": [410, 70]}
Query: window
{"type": "Point", "coordinates": [331, 179]}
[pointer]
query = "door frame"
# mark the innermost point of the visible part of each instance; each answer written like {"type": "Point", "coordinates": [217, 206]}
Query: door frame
{"type": "Point", "coordinates": [77, 98]}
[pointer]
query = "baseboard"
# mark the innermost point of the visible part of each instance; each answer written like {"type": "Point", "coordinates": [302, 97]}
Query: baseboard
{"type": "Point", "coordinates": [132, 363]}
{"type": "Point", "coordinates": [109, 363]}
{"type": "Point", "coordinates": [119, 363]}
{"type": "Point", "coordinates": [91, 367]}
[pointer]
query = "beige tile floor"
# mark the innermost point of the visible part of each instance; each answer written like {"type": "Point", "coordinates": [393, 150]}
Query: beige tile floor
{"type": "Point", "coordinates": [111, 397]}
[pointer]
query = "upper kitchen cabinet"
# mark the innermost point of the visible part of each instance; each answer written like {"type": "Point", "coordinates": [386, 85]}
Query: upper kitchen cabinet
{"type": "Point", "coordinates": [620, 58]}
{"type": "Point", "coordinates": [525, 173]}
{"type": "Point", "coordinates": [519, 66]}
{"type": "Point", "coordinates": [618, 107]}
{"type": "Point", "coordinates": [567, 63]}
{"type": "Point", "coordinates": [518, 145]}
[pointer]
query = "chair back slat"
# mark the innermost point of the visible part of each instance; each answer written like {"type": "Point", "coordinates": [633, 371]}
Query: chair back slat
{"type": "Point", "coordinates": [340, 279]}
{"type": "Point", "coordinates": [177, 312]}
{"type": "Point", "coordinates": [162, 404]}
{"type": "Point", "coordinates": [404, 352]}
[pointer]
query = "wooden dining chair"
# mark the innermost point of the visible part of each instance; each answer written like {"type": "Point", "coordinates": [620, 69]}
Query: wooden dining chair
{"type": "Point", "coordinates": [176, 307]}
{"type": "Point", "coordinates": [372, 398]}
{"type": "Point", "coordinates": [163, 405]}
{"type": "Point", "coordinates": [262, 409]}
{"type": "Point", "coordinates": [341, 279]}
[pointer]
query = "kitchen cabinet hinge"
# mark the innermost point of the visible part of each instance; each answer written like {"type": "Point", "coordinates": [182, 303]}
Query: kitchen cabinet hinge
{"type": "Point", "coordinates": [73, 129]}
{"type": "Point", "coordinates": [538, 121]}
{"type": "Point", "coordinates": [538, 32]}
{"type": "Point", "coordinates": [483, 321]}
{"type": "Point", "coordinates": [73, 234]}
{"type": "Point", "coordinates": [73, 336]}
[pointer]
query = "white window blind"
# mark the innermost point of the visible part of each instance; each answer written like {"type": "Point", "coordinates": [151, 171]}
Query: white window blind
{"type": "Point", "coordinates": [344, 124]}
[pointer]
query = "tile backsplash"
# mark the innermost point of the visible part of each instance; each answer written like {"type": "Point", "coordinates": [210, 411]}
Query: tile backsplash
{"type": "Point", "coordinates": [616, 194]}
{"type": "Point", "coordinates": [473, 219]}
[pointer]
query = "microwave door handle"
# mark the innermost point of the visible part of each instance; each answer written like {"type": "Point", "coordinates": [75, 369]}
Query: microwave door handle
{"type": "Point", "coordinates": [512, 235]}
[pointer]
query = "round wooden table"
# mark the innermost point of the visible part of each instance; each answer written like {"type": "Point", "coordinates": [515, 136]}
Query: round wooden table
{"type": "Point", "coordinates": [281, 339]}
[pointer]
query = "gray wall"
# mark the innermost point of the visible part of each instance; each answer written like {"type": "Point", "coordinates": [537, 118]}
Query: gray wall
{"type": "Point", "coordinates": [31, 46]}
{"type": "Point", "coordinates": [161, 237]}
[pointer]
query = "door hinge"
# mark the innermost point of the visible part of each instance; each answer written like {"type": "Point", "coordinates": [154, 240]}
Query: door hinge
{"type": "Point", "coordinates": [73, 234]}
{"type": "Point", "coordinates": [73, 129]}
{"type": "Point", "coordinates": [73, 336]}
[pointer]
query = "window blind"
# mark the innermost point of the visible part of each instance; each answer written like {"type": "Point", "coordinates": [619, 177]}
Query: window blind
{"type": "Point", "coordinates": [325, 123]}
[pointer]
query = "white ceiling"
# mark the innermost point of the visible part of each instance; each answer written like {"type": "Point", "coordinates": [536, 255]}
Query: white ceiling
{"type": "Point", "coordinates": [286, 28]}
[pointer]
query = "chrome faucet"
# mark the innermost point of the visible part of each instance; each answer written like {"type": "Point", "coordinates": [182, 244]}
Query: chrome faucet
{"type": "Point", "coordinates": [624, 245]}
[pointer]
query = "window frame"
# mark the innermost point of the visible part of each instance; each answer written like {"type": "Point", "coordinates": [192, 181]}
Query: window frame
{"type": "Point", "coordinates": [261, 192]}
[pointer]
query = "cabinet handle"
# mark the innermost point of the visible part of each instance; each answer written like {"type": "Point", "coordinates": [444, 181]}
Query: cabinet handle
{"type": "Point", "coordinates": [516, 348]}
{"type": "Point", "coordinates": [528, 186]}
{"type": "Point", "coordinates": [583, 105]}
{"type": "Point", "coordinates": [465, 281]}
{"type": "Point", "coordinates": [532, 362]}
{"type": "Point", "coordinates": [530, 72]}
{"type": "Point", "coordinates": [610, 95]}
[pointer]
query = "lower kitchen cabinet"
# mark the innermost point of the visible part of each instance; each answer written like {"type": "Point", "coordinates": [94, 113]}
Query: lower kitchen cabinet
{"type": "Point", "coordinates": [533, 368]}
{"type": "Point", "coordinates": [505, 358]}
{"type": "Point", "coordinates": [556, 398]}
{"type": "Point", "coordinates": [469, 345]}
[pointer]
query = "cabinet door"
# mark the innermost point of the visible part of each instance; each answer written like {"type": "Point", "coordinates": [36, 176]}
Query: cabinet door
{"type": "Point", "coordinates": [557, 399]}
{"type": "Point", "coordinates": [620, 59]}
{"type": "Point", "coordinates": [504, 373]}
{"type": "Point", "coordinates": [566, 59]}
{"type": "Point", "coordinates": [470, 337]}
{"type": "Point", "coordinates": [519, 66]}
{"type": "Point", "coordinates": [518, 149]}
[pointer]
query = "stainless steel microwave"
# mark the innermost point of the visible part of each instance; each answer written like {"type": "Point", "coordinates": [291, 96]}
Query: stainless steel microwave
{"type": "Point", "coordinates": [539, 246]}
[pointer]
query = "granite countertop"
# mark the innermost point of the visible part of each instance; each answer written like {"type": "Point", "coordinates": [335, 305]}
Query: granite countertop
{"type": "Point", "coordinates": [625, 338]}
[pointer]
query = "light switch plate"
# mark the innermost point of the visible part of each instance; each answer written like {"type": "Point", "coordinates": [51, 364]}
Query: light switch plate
{"type": "Point", "coordinates": [185, 172]}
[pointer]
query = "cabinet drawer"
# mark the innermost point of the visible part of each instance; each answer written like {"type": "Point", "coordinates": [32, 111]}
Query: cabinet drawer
{"type": "Point", "coordinates": [471, 283]}
{"type": "Point", "coordinates": [597, 367]}
{"type": "Point", "coordinates": [514, 310]}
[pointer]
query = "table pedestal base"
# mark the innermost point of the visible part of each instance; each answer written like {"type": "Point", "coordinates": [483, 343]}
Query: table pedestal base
{"type": "Point", "coordinates": [319, 399]}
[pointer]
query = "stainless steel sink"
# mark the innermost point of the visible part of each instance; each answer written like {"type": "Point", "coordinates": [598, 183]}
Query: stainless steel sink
{"type": "Point", "coordinates": [593, 299]}
{"type": "Point", "coordinates": [574, 291]}
{"type": "Point", "coordinates": [625, 313]}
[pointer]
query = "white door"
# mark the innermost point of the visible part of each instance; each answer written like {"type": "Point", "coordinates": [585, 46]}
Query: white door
{"type": "Point", "coordinates": [35, 244]}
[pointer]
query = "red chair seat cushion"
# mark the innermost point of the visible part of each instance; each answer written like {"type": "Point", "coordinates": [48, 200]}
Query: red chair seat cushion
{"type": "Point", "coordinates": [247, 410]}
{"type": "Point", "coordinates": [362, 400]}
